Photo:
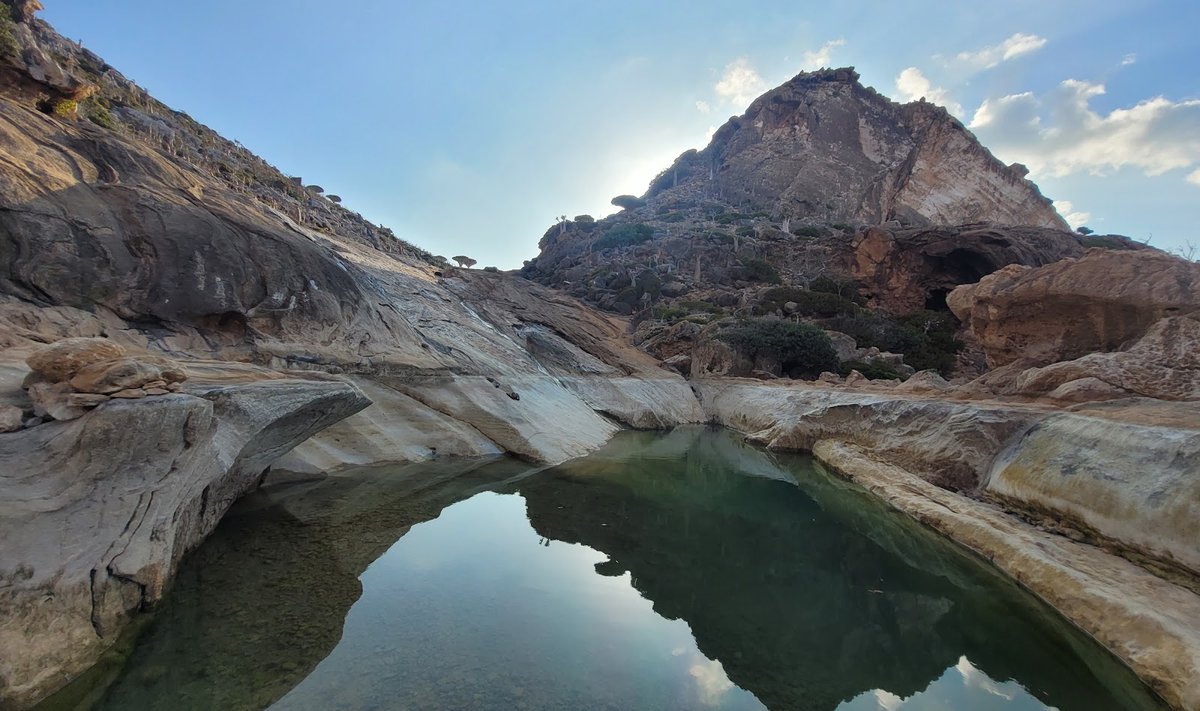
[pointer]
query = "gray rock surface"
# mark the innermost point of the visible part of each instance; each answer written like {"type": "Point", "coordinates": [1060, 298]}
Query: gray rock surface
{"type": "Point", "coordinates": [98, 511]}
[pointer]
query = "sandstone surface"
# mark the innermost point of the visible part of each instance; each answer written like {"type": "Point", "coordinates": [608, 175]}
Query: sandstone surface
{"type": "Point", "coordinates": [1097, 303]}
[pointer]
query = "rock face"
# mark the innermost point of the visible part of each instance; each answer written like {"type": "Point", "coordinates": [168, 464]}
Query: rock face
{"type": "Point", "coordinates": [1099, 302]}
{"type": "Point", "coordinates": [98, 511]}
{"type": "Point", "coordinates": [903, 270]}
{"type": "Point", "coordinates": [824, 148]}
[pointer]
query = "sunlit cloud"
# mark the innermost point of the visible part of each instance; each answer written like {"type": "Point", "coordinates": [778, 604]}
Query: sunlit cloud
{"type": "Point", "coordinates": [740, 83]}
{"type": "Point", "coordinates": [820, 57]}
{"type": "Point", "coordinates": [1194, 178]}
{"type": "Point", "coordinates": [1128, 59]}
{"type": "Point", "coordinates": [711, 681]}
{"type": "Point", "coordinates": [912, 85]}
{"type": "Point", "coordinates": [1075, 218]}
{"type": "Point", "coordinates": [1059, 133]}
{"type": "Point", "coordinates": [703, 107]}
{"type": "Point", "coordinates": [1015, 46]}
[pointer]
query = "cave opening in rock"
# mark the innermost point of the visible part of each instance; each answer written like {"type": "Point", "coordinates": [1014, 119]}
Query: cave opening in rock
{"type": "Point", "coordinates": [936, 300]}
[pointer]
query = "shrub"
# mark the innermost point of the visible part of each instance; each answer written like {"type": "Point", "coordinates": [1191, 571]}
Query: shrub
{"type": "Point", "coordinates": [811, 303]}
{"type": "Point", "coordinates": [624, 235]}
{"type": "Point", "coordinates": [746, 231]}
{"type": "Point", "coordinates": [65, 108]}
{"type": "Point", "coordinates": [807, 231]}
{"type": "Point", "coordinates": [673, 217]}
{"type": "Point", "coordinates": [491, 269]}
{"type": "Point", "coordinates": [845, 288]}
{"type": "Point", "coordinates": [755, 269]}
{"type": "Point", "coordinates": [926, 338]}
{"type": "Point", "coordinates": [584, 218]}
{"type": "Point", "coordinates": [1104, 242]}
{"type": "Point", "coordinates": [872, 371]}
{"type": "Point", "coordinates": [98, 114]}
{"type": "Point", "coordinates": [8, 43]}
{"type": "Point", "coordinates": [800, 348]}
{"type": "Point", "coordinates": [729, 218]}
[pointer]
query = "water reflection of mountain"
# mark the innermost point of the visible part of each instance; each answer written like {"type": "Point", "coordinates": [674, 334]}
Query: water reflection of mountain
{"type": "Point", "coordinates": [808, 591]}
{"type": "Point", "coordinates": [263, 601]}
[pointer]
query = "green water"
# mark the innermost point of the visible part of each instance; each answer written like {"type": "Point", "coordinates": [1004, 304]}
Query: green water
{"type": "Point", "coordinates": [678, 571]}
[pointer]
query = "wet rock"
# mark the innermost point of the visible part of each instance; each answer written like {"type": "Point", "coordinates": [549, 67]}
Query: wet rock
{"type": "Point", "coordinates": [61, 360]}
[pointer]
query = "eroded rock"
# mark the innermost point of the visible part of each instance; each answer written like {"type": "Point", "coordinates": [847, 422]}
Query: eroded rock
{"type": "Point", "coordinates": [61, 360]}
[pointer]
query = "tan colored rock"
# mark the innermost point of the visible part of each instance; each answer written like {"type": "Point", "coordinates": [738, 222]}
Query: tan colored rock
{"type": "Point", "coordinates": [115, 375]}
{"type": "Point", "coordinates": [1066, 310]}
{"type": "Point", "coordinates": [830, 378]}
{"type": "Point", "coordinates": [53, 400]}
{"type": "Point", "coordinates": [11, 418]}
{"type": "Point", "coordinates": [85, 400]}
{"type": "Point", "coordinates": [924, 381]}
{"type": "Point", "coordinates": [129, 394]}
{"type": "Point", "coordinates": [1086, 390]}
{"type": "Point", "coordinates": [1163, 364]}
{"type": "Point", "coordinates": [61, 360]}
{"type": "Point", "coordinates": [856, 378]}
{"type": "Point", "coordinates": [157, 391]}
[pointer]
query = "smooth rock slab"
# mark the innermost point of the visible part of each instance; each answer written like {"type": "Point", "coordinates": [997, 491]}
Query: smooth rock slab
{"type": "Point", "coordinates": [98, 511]}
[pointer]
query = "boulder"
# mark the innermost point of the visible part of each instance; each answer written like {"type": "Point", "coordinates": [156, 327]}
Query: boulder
{"type": "Point", "coordinates": [11, 418]}
{"type": "Point", "coordinates": [1074, 307]}
{"type": "Point", "coordinates": [120, 374]}
{"type": "Point", "coordinates": [53, 400]}
{"type": "Point", "coordinates": [1086, 390]}
{"type": "Point", "coordinates": [924, 381]}
{"type": "Point", "coordinates": [1163, 364]}
{"type": "Point", "coordinates": [61, 360]}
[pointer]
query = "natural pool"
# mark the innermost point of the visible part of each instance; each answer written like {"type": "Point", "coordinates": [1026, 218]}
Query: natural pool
{"type": "Point", "coordinates": [677, 571]}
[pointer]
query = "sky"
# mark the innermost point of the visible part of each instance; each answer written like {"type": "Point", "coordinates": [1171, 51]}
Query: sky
{"type": "Point", "coordinates": [467, 127]}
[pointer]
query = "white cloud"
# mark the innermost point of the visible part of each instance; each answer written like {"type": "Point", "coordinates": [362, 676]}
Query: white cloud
{"type": "Point", "coordinates": [1074, 218]}
{"type": "Point", "coordinates": [1059, 133]}
{"type": "Point", "coordinates": [1015, 46]}
{"type": "Point", "coordinates": [1128, 59]}
{"type": "Point", "coordinates": [703, 107]}
{"type": "Point", "coordinates": [911, 85]}
{"type": "Point", "coordinates": [816, 59]}
{"type": "Point", "coordinates": [740, 84]}
{"type": "Point", "coordinates": [1194, 177]}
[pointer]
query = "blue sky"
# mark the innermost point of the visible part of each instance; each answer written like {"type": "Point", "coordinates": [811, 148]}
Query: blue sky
{"type": "Point", "coordinates": [467, 127]}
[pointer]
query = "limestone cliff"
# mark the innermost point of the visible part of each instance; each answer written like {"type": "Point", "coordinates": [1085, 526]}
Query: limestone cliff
{"type": "Point", "coordinates": [824, 148]}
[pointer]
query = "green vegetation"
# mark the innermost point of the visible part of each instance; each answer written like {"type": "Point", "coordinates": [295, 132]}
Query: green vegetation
{"type": "Point", "coordinates": [810, 303]}
{"type": "Point", "coordinates": [872, 371]}
{"type": "Point", "coordinates": [756, 269]}
{"type": "Point", "coordinates": [8, 43]}
{"type": "Point", "coordinates": [926, 338]}
{"type": "Point", "coordinates": [65, 108]}
{"type": "Point", "coordinates": [624, 234]}
{"type": "Point", "coordinates": [800, 348]}
{"type": "Point", "coordinates": [673, 217]}
{"type": "Point", "coordinates": [807, 231]}
{"type": "Point", "coordinates": [1104, 242]}
{"type": "Point", "coordinates": [96, 111]}
{"type": "Point", "coordinates": [491, 269]}
{"type": "Point", "coordinates": [1084, 230]}
{"type": "Point", "coordinates": [746, 231]}
{"type": "Point", "coordinates": [584, 218]}
{"type": "Point", "coordinates": [690, 310]}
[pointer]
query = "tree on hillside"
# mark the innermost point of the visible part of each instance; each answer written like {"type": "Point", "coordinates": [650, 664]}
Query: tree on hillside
{"type": "Point", "coordinates": [1084, 230]}
{"type": "Point", "coordinates": [464, 261]}
{"type": "Point", "coordinates": [626, 202]}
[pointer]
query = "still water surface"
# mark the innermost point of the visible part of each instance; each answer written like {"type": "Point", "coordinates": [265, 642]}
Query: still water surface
{"type": "Point", "coordinates": [678, 571]}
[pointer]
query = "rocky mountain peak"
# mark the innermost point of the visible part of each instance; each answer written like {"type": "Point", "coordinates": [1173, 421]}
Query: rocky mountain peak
{"type": "Point", "coordinates": [824, 148]}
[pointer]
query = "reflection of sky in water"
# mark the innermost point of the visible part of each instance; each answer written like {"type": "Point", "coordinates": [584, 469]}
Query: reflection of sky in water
{"type": "Point", "coordinates": [474, 609]}
{"type": "Point", "coordinates": [963, 686]}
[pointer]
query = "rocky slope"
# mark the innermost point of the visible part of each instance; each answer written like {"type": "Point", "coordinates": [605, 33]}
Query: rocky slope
{"type": "Point", "coordinates": [123, 220]}
{"type": "Point", "coordinates": [284, 312]}
{"type": "Point", "coordinates": [824, 148]}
